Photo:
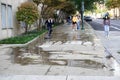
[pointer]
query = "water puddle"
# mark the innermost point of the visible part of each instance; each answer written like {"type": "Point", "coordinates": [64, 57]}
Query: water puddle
{"type": "Point", "coordinates": [89, 64]}
{"type": "Point", "coordinates": [24, 57]}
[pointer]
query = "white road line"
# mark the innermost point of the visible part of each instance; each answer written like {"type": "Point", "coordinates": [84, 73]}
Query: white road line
{"type": "Point", "coordinates": [115, 27]}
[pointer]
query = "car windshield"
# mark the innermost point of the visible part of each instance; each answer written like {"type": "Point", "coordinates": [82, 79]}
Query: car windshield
{"type": "Point", "coordinates": [87, 17]}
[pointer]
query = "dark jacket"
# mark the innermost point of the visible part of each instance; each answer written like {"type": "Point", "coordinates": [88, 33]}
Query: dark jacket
{"type": "Point", "coordinates": [49, 23]}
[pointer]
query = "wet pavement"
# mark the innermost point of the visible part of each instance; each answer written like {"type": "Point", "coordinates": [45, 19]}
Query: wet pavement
{"type": "Point", "coordinates": [68, 52]}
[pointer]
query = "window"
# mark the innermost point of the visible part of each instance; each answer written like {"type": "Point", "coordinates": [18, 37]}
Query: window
{"type": "Point", "coordinates": [9, 18]}
{"type": "Point", "coordinates": [6, 15]}
{"type": "Point", "coordinates": [3, 15]}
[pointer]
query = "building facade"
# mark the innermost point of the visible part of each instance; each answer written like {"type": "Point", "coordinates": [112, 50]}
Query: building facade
{"type": "Point", "coordinates": [8, 24]}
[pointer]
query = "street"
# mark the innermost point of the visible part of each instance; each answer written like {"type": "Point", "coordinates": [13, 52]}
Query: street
{"type": "Point", "coordinates": [97, 24]}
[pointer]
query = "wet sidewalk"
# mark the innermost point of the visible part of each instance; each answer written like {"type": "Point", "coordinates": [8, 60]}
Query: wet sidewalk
{"type": "Point", "coordinates": [112, 44]}
{"type": "Point", "coordinates": [67, 53]}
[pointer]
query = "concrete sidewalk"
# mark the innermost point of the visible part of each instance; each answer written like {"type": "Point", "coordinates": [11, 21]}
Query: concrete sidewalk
{"type": "Point", "coordinates": [111, 44]}
{"type": "Point", "coordinates": [65, 45]}
{"type": "Point", "coordinates": [36, 77]}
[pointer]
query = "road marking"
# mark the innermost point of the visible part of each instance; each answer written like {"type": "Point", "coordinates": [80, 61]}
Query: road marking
{"type": "Point", "coordinates": [115, 27]}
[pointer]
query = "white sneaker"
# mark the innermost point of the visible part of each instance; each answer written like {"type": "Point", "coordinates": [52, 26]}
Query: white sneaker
{"type": "Point", "coordinates": [73, 29]}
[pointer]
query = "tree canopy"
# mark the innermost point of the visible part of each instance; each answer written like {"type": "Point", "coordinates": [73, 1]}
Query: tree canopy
{"type": "Point", "coordinates": [28, 13]}
{"type": "Point", "coordinates": [88, 4]}
{"type": "Point", "coordinates": [64, 5]}
{"type": "Point", "coordinates": [112, 4]}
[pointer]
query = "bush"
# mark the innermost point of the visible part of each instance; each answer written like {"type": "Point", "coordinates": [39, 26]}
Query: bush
{"type": "Point", "coordinates": [23, 38]}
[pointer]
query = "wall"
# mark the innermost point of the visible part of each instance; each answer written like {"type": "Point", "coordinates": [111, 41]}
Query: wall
{"type": "Point", "coordinates": [14, 29]}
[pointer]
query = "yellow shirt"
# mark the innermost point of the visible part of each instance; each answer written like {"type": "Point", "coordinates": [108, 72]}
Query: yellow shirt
{"type": "Point", "coordinates": [74, 19]}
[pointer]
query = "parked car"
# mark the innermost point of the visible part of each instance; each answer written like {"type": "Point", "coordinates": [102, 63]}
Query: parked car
{"type": "Point", "coordinates": [87, 18]}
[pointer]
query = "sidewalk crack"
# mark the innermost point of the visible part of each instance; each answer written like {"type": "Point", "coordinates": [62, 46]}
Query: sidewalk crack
{"type": "Point", "coordinates": [48, 70]}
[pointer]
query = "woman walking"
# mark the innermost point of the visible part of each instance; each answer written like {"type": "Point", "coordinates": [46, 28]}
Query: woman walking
{"type": "Point", "coordinates": [74, 22]}
{"type": "Point", "coordinates": [106, 23]}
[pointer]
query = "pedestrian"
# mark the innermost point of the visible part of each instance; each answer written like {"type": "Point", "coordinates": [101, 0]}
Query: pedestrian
{"type": "Point", "coordinates": [106, 22]}
{"type": "Point", "coordinates": [74, 22]}
{"type": "Point", "coordinates": [49, 23]}
{"type": "Point", "coordinates": [68, 19]}
{"type": "Point", "coordinates": [78, 23]}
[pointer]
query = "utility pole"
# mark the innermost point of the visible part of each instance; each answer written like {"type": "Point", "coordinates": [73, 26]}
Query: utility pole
{"type": "Point", "coordinates": [82, 12]}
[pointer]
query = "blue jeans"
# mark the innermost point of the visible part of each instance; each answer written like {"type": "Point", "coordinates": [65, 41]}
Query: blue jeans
{"type": "Point", "coordinates": [49, 31]}
{"type": "Point", "coordinates": [78, 25]}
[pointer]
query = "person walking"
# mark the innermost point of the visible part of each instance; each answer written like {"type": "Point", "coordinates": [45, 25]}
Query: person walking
{"type": "Point", "coordinates": [106, 22]}
{"type": "Point", "coordinates": [74, 22]}
{"type": "Point", "coordinates": [78, 23]}
{"type": "Point", "coordinates": [49, 23]}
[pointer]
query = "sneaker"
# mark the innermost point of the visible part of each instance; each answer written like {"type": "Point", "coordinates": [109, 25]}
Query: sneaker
{"type": "Point", "coordinates": [73, 29]}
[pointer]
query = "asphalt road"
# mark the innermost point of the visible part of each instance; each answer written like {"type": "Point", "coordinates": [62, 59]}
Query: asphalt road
{"type": "Point", "coordinates": [97, 24]}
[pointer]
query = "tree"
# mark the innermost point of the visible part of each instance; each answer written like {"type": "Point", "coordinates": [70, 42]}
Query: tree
{"type": "Point", "coordinates": [88, 4]}
{"type": "Point", "coordinates": [28, 13]}
{"type": "Point", "coordinates": [50, 6]}
{"type": "Point", "coordinates": [68, 8]}
{"type": "Point", "coordinates": [37, 1]}
{"type": "Point", "coordinates": [110, 4]}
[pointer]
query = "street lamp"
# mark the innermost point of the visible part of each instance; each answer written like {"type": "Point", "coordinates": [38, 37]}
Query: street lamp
{"type": "Point", "coordinates": [82, 11]}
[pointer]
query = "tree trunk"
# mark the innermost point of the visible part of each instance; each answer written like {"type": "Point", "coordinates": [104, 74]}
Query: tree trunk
{"type": "Point", "coordinates": [40, 19]}
{"type": "Point", "coordinates": [26, 28]}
